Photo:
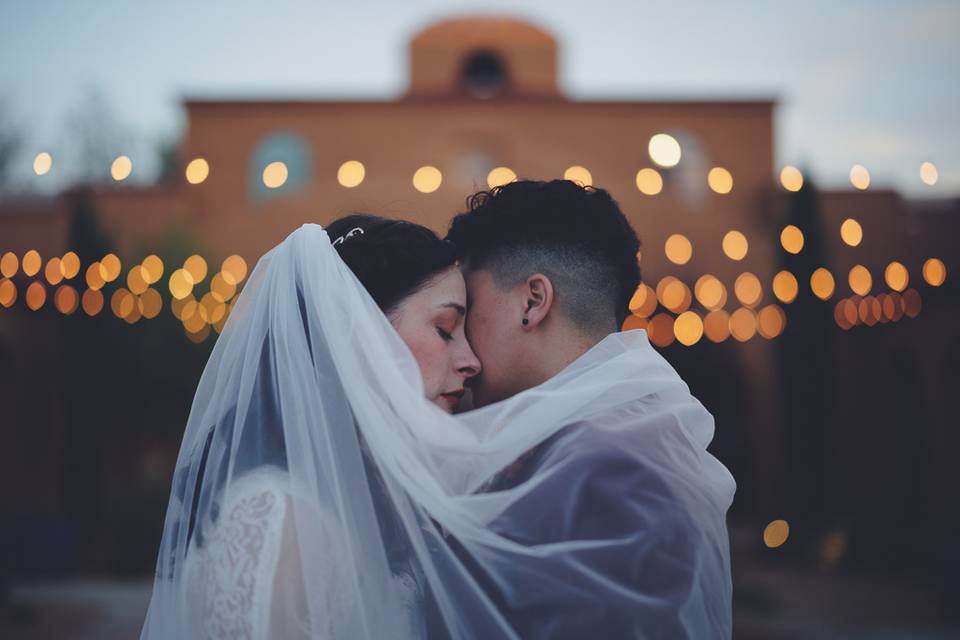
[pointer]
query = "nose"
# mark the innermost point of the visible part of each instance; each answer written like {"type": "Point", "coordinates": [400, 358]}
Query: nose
{"type": "Point", "coordinates": [467, 363]}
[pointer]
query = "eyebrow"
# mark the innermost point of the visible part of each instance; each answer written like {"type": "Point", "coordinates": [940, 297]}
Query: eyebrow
{"type": "Point", "coordinates": [453, 305]}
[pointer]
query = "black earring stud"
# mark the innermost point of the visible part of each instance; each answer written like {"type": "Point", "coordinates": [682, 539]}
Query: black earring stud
{"type": "Point", "coordinates": [525, 322]}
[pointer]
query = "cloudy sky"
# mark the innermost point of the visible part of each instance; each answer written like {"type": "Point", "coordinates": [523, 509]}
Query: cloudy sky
{"type": "Point", "coordinates": [866, 82]}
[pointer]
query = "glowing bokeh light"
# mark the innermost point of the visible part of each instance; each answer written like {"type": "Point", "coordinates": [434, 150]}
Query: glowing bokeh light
{"type": "Point", "coordinates": [776, 533]}
{"type": "Point", "coordinates": [578, 174]}
{"type": "Point", "coordinates": [36, 295]}
{"type": "Point", "coordinates": [92, 302]}
{"type": "Point", "coordinates": [791, 179]}
{"type": "Point", "coordinates": [735, 245]}
{"type": "Point", "coordinates": [66, 299]}
{"type": "Point", "coordinates": [688, 328]}
{"type": "Point", "coordinates": [851, 232]}
{"type": "Point", "coordinates": [929, 174]}
{"type": "Point", "coordinates": [771, 321]}
{"type": "Point", "coordinates": [660, 330]}
{"type": "Point", "coordinates": [822, 283]}
{"type": "Point", "coordinates": [911, 303]}
{"type": "Point", "coordinates": [110, 267]}
{"type": "Point", "coordinates": [859, 177]}
{"type": "Point", "coordinates": [94, 276]}
{"type": "Point", "coordinates": [896, 276]}
{"type": "Point", "coordinates": [70, 265]}
{"type": "Point", "coordinates": [934, 272]}
{"type": "Point", "coordinates": [664, 150]}
{"type": "Point", "coordinates": [743, 324]}
{"type": "Point", "coordinates": [8, 293]}
{"type": "Point", "coordinates": [748, 289]}
{"type": "Point", "coordinates": [644, 301]}
{"type": "Point", "coordinates": [649, 182]}
{"type": "Point", "coordinates": [196, 267]}
{"type": "Point", "coordinates": [720, 180]}
{"type": "Point", "coordinates": [220, 289]}
{"type": "Point", "coordinates": [197, 171]}
{"type": "Point", "coordinates": [632, 323]}
{"type": "Point", "coordinates": [122, 303]}
{"type": "Point", "coordinates": [716, 326]}
{"type": "Point", "coordinates": [42, 163]}
{"type": "Point", "coordinates": [351, 173]}
{"type": "Point", "coordinates": [9, 264]}
{"type": "Point", "coordinates": [500, 176]}
{"type": "Point", "coordinates": [678, 249]}
{"type": "Point", "coordinates": [791, 239]}
{"type": "Point", "coordinates": [136, 282]}
{"type": "Point", "coordinates": [31, 263]}
{"type": "Point", "coordinates": [152, 269]}
{"type": "Point", "coordinates": [150, 303]}
{"type": "Point", "coordinates": [275, 175]}
{"type": "Point", "coordinates": [234, 269]}
{"type": "Point", "coordinates": [860, 280]}
{"type": "Point", "coordinates": [785, 287]}
{"type": "Point", "coordinates": [52, 272]}
{"type": "Point", "coordinates": [121, 168]}
{"type": "Point", "coordinates": [710, 292]}
{"type": "Point", "coordinates": [427, 179]}
{"type": "Point", "coordinates": [181, 284]}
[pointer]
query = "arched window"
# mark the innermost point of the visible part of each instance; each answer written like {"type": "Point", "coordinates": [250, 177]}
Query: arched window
{"type": "Point", "coordinates": [293, 152]}
{"type": "Point", "coordinates": [484, 74]}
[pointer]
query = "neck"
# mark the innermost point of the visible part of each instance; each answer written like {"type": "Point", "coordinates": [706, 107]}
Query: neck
{"type": "Point", "coordinates": [557, 349]}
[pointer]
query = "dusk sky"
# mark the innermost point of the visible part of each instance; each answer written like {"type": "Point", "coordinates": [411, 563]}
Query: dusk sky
{"type": "Point", "coordinates": [866, 82]}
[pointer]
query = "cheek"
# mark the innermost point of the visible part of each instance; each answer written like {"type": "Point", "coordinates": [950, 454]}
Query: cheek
{"type": "Point", "coordinates": [429, 351]}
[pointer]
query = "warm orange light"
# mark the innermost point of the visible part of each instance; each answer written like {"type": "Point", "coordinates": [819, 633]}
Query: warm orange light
{"type": "Point", "coordinates": [181, 284]}
{"type": "Point", "coordinates": [197, 171]}
{"type": "Point", "coordinates": [716, 325]}
{"type": "Point", "coordinates": [771, 321]}
{"type": "Point", "coordinates": [649, 182]}
{"type": "Point", "coordinates": [578, 174]}
{"type": "Point", "coordinates": [36, 295]}
{"type": "Point", "coordinates": [9, 264]}
{"type": "Point", "coordinates": [8, 293]}
{"type": "Point", "coordinates": [860, 280]}
{"type": "Point", "coordinates": [822, 284]}
{"type": "Point", "coordinates": [94, 276]}
{"type": "Point", "coordinates": [150, 303]}
{"type": "Point", "coordinates": [70, 265]}
{"type": "Point", "coordinates": [859, 177]}
{"type": "Point", "coordinates": [500, 176]}
{"type": "Point", "coordinates": [66, 299]}
{"type": "Point", "coordinates": [152, 269]}
{"type": "Point", "coordinates": [664, 150]}
{"type": "Point", "coordinates": [275, 175]}
{"type": "Point", "coordinates": [136, 282]}
{"type": "Point", "coordinates": [31, 263]}
{"type": "Point", "coordinates": [660, 330]}
{"type": "Point", "coordinates": [234, 270]}
{"type": "Point", "coordinates": [911, 303]}
{"type": "Point", "coordinates": [710, 292]}
{"type": "Point", "coordinates": [42, 163]}
{"type": "Point", "coordinates": [735, 245]}
{"type": "Point", "coordinates": [776, 533]}
{"type": "Point", "coordinates": [52, 272]}
{"type": "Point", "coordinates": [427, 179]}
{"type": "Point", "coordinates": [678, 249]}
{"type": "Point", "coordinates": [785, 287]}
{"type": "Point", "coordinates": [896, 276]}
{"type": "Point", "coordinates": [791, 239]}
{"type": "Point", "coordinates": [934, 272]}
{"type": "Point", "coordinates": [688, 328]}
{"type": "Point", "coordinates": [220, 289]}
{"type": "Point", "coordinates": [720, 180]}
{"type": "Point", "coordinates": [748, 289]}
{"type": "Point", "coordinates": [351, 173]}
{"type": "Point", "coordinates": [121, 168]}
{"type": "Point", "coordinates": [644, 301]}
{"type": "Point", "coordinates": [110, 267]}
{"type": "Point", "coordinates": [791, 178]}
{"type": "Point", "coordinates": [851, 232]}
{"type": "Point", "coordinates": [92, 302]}
{"type": "Point", "coordinates": [743, 324]}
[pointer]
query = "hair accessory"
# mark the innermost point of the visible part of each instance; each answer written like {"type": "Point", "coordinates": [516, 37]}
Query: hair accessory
{"type": "Point", "coordinates": [356, 231]}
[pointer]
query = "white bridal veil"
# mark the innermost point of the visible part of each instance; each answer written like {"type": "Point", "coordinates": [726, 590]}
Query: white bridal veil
{"type": "Point", "coordinates": [317, 494]}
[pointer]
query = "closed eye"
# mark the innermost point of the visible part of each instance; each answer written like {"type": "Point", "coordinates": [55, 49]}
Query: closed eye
{"type": "Point", "coordinates": [443, 334]}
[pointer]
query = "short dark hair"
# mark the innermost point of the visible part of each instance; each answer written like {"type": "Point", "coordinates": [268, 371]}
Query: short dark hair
{"type": "Point", "coordinates": [576, 236]}
{"type": "Point", "coordinates": [392, 258]}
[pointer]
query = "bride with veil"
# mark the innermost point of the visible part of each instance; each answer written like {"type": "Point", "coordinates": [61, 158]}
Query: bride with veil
{"type": "Point", "coordinates": [323, 489]}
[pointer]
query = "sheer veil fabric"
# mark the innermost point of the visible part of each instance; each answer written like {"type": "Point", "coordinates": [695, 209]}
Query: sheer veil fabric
{"type": "Point", "coordinates": [317, 494]}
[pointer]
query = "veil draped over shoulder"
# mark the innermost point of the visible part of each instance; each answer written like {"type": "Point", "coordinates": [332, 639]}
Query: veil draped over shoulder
{"type": "Point", "coordinates": [317, 494]}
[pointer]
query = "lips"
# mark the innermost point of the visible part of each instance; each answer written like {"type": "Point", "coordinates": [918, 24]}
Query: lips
{"type": "Point", "coordinates": [453, 397]}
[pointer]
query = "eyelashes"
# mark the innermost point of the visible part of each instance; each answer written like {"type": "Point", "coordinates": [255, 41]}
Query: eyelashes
{"type": "Point", "coordinates": [443, 334]}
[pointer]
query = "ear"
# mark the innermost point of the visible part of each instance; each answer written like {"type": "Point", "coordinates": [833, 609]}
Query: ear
{"type": "Point", "coordinates": [538, 300]}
